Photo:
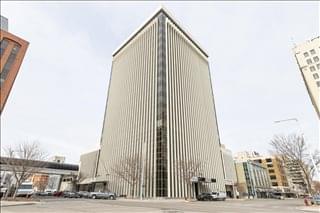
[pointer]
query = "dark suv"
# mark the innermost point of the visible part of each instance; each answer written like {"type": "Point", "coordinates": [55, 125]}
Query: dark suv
{"type": "Point", "coordinates": [205, 196]}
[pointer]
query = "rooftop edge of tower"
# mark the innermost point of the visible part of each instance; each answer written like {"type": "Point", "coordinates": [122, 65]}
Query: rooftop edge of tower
{"type": "Point", "coordinates": [159, 10]}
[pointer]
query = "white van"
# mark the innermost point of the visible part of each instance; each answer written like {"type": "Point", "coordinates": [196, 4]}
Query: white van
{"type": "Point", "coordinates": [219, 196]}
{"type": "Point", "coordinates": [25, 189]}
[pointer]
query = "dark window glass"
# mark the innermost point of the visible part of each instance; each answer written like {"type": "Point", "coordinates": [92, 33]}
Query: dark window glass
{"type": "Point", "coordinates": [269, 165]}
{"type": "Point", "coordinates": [316, 59]}
{"type": "Point", "coordinates": [3, 45]}
{"type": "Point", "coordinates": [29, 186]}
{"type": "Point", "coordinates": [9, 62]}
{"type": "Point", "coordinates": [274, 184]}
{"type": "Point", "coordinates": [312, 52]}
{"type": "Point", "coordinates": [306, 54]}
{"type": "Point", "coordinates": [269, 160]}
{"type": "Point", "coordinates": [271, 170]}
{"type": "Point", "coordinates": [312, 68]}
{"type": "Point", "coordinates": [273, 177]}
{"type": "Point", "coordinates": [315, 76]}
{"type": "Point", "coordinates": [318, 83]}
{"type": "Point", "coordinates": [318, 66]}
{"type": "Point", "coordinates": [309, 61]}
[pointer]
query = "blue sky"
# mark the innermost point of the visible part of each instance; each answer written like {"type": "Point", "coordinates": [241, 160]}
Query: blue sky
{"type": "Point", "coordinates": [59, 95]}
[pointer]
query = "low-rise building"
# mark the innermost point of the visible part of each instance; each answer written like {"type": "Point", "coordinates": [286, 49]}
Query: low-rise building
{"type": "Point", "coordinates": [253, 179]}
{"type": "Point", "coordinates": [276, 170]}
{"type": "Point", "coordinates": [88, 179]}
{"type": "Point", "coordinates": [296, 177]}
{"type": "Point", "coordinates": [229, 171]}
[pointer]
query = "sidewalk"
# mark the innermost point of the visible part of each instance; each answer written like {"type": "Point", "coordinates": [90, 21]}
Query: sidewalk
{"type": "Point", "coordinates": [310, 208]}
{"type": "Point", "coordinates": [5, 203]}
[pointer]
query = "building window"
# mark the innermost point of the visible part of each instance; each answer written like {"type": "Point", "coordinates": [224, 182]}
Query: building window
{"type": "Point", "coordinates": [312, 52]}
{"type": "Point", "coordinates": [318, 83]}
{"type": "Point", "coordinates": [269, 165]}
{"type": "Point", "coordinates": [271, 170]}
{"type": "Point", "coordinates": [306, 54]}
{"type": "Point", "coordinates": [269, 160]}
{"type": "Point", "coordinates": [258, 161]}
{"type": "Point", "coordinates": [274, 184]}
{"type": "Point", "coordinates": [309, 61]}
{"type": "Point", "coordinates": [9, 62]}
{"type": "Point", "coordinates": [3, 45]}
{"type": "Point", "coordinates": [318, 66]}
{"type": "Point", "coordinates": [312, 68]}
{"type": "Point", "coordinates": [315, 76]}
{"type": "Point", "coordinates": [316, 59]}
{"type": "Point", "coordinates": [273, 177]}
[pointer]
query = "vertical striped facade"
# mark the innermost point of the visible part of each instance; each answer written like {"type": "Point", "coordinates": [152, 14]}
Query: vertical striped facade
{"type": "Point", "coordinates": [160, 107]}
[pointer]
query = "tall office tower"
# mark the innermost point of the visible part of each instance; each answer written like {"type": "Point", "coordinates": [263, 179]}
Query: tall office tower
{"type": "Point", "coordinates": [307, 56]}
{"type": "Point", "coordinates": [12, 53]}
{"type": "Point", "coordinates": [160, 109]}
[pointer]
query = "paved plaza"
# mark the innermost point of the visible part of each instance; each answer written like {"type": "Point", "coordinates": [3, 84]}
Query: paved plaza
{"type": "Point", "coordinates": [160, 206]}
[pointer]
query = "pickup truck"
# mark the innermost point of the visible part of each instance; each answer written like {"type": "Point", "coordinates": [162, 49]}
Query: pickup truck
{"type": "Point", "coordinates": [102, 195]}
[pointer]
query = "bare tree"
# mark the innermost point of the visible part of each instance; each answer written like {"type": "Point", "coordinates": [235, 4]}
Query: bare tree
{"type": "Point", "coordinates": [188, 169]}
{"type": "Point", "coordinates": [23, 161]}
{"type": "Point", "coordinates": [293, 149]}
{"type": "Point", "coordinates": [129, 169]}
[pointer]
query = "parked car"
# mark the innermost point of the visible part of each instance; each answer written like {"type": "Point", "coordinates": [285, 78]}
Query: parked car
{"type": "Point", "coordinates": [314, 200]}
{"type": "Point", "coordinates": [49, 192]}
{"type": "Point", "coordinates": [25, 189]}
{"type": "Point", "coordinates": [3, 191]}
{"type": "Point", "coordinates": [102, 195]}
{"type": "Point", "coordinates": [205, 196]}
{"type": "Point", "coordinates": [58, 193]}
{"type": "Point", "coordinates": [84, 194]}
{"type": "Point", "coordinates": [277, 195]}
{"type": "Point", "coordinates": [68, 194]}
{"type": "Point", "coordinates": [219, 196]}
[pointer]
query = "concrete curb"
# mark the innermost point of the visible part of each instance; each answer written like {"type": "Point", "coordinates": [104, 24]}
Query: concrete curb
{"type": "Point", "coordinates": [309, 209]}
{"type": "Point", "coordinates": [17, 204]}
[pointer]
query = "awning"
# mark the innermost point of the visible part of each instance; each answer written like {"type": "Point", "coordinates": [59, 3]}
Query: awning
{"type": "Point", "coordinates": [99, 179]}
{"type": "Point", "coordinates": [86, 181]}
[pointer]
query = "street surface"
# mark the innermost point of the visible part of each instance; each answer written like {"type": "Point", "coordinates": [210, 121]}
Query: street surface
{"type": "Point", "coordinates": [159, 206]}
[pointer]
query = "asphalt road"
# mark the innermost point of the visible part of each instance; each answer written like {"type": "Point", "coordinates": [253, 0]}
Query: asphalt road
{"type": "Point", "coordinates": [159, 206]}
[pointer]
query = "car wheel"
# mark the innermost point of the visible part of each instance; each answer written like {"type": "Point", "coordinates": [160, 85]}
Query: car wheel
{"type": "Point", "coordinates": [94, 197]}
{"type": "Point", "coordinates": [112, 197]}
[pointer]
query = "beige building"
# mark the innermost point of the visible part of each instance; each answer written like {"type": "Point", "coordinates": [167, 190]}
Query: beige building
{"type": "Point", "coordinates": [296, 178]}
{"type": "Point", "coordinates": [307, 55]}
{"type": "Point", "coordinates": [276, 171]}
{"type": "Point", "coordinates": [87, 178]}
{"type": "Point", "coordinates": [159, 114]}
{"type": "Point", "coordinates": [229, 171]}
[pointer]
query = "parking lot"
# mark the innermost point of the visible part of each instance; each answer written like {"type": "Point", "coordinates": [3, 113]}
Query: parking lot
{"type": "Point", "coordinates": [158, 206]}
